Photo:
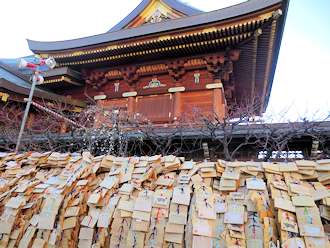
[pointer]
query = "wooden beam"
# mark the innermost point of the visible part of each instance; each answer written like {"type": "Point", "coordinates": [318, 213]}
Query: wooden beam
{"type": "Point", "coordinates": [254, 61]}
{"type": "Point", "coordinates": [70, 81]}
{"type": "Point", "coordinates": [177, 105]}
{"type": "Point", "coordinates": [276, 15]}
{"type": "Point", "coordinates": [131, 105]}
{"type": "Point", "coordinates": [196, 47]}
{"type": "Point", "coordinates": [219, 103]}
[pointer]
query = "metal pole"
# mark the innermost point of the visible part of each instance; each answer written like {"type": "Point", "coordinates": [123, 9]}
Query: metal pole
{"type": "Point", "coordinates": [26, 113]}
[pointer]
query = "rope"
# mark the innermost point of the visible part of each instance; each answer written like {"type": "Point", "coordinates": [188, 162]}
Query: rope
{"type": "Point", "coordinates": [56, 115]}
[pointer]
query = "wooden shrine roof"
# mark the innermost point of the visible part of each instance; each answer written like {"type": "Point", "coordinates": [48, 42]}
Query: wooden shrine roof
{"type": "Point", "coordinates": [185, 9]}
{"type": "Point", "coordinates": [254, 27]}
{"type": "Point", "coordinates": [12, 80]}
{"type": "Point", "coordinates": [63, 78]}
{"type": "Point", "coordinates": [223, 15]}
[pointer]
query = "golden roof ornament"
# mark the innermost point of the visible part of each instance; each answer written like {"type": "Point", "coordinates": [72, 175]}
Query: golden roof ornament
{"type": "Point", "coordinates": [156, 17]}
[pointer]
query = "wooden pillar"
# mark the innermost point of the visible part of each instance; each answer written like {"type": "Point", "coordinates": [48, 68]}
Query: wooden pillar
{"type": "Point", "coordinates": [254, 63]}
{"type": "Point", "coordinates": [98, 117]}
{"type": "Point", "coordinates": [30, 121]}
{"type": "Point", "coordinates": [219, 101]}
{"type": "Point", "coordinates": [131, 101]}
{"type": "Point", "coordinates": [177, 106]}
{"type": "Point", "coordinates": [130, 105]}
{"type": "Point", "coordinates": [64, 127]}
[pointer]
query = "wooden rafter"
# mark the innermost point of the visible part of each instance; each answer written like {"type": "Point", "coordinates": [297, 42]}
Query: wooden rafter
{"type": "Point", "coordinates": [269, 59]}
{"type": "Point", "coordinates": [254, 61]}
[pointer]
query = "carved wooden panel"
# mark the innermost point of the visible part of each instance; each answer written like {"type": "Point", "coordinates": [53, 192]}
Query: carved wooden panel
{"type": "Point", "coordinates": [157, 108]}
{"type": "Point", "coordinates": [143, 85]}
{"type": "Point", "coordinates": [108, 106]}
{"type": "Point", "coordinates": [114, 104]}
{"type": "Point", "coordinates": [194, 104]}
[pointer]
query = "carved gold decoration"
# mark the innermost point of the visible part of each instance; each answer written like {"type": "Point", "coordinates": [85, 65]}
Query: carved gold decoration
{"type": "Point", "coordinates": [4, 96]}
{"type": "Point", "coordinates": [78, 53]}
{"type": "Point", "coordinates": [154, 83]}
{"type": "Point", "coordinates": [151, 68]}
{"type": "Point", "coordinates": [164, 37]}
{"type": "Point", "coordinates": [50, 81]}
{"type": "Point", "coordinates": [61, 79]}
{"type": "Point", "coordinates": [157, 16]}
{"type": "Point", "coordinates": [113, 73]}
{"type": "Point", "coordinates": [209, 30]}
{"type": "Point", "coordinates": [265, 16]}
{"type": "Point", "coordinates": [156, 11]}
{"type": "Point", "coordinates": [44, 55]}
{"type": "Point", "coordinates": [194, 62]}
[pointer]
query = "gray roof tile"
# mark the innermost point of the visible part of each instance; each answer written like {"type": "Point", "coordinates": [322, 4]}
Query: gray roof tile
{"type": "Point", "coordinates": [190, 21]}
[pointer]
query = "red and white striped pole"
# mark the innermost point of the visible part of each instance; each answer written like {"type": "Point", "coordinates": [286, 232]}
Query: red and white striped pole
{"type": "Point", "coordinates": [56, 115]}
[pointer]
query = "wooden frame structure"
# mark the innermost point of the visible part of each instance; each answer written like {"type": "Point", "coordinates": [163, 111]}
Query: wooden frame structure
{"type": "Point", "coordinates": [166, 59]}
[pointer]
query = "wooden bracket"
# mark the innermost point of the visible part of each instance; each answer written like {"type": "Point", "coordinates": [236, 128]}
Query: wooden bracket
{"type": "Point", "coordinates": [129, 74]}
{"type": "Point", "coordinates": [176, 69]}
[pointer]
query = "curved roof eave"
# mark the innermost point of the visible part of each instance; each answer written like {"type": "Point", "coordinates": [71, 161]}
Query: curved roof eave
{"type": "Point", "coordinates": [13, 80]}
{"type": "Point", "coordinates": [190, 21]}
{"type": "Point", "coordinates": [276, 54]}
{"type": "Point", "coordinates": [177, 5]}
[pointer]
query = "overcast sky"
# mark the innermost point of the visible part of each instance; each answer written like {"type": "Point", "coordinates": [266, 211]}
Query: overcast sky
{"type": "Point", "coordinates": [302, 80]}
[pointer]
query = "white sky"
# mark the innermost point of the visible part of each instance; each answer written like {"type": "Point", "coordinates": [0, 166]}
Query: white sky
{"type": "Point", "coordinates": [302, 81]}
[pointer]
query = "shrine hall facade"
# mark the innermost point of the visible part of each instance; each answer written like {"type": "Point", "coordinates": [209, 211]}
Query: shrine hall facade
{"type": "Point", "coordinates": [166, 59]}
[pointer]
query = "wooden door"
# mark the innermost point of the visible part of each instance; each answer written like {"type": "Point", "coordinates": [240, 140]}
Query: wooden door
{"type": "Point", "coordinates": [112, 104]}
{"type": "Point", "coordinates": [156, 108]}
{"type": "Point", "coordinates": [107, 106]}
{"type": "Point", "coordinates": [196, 104]}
